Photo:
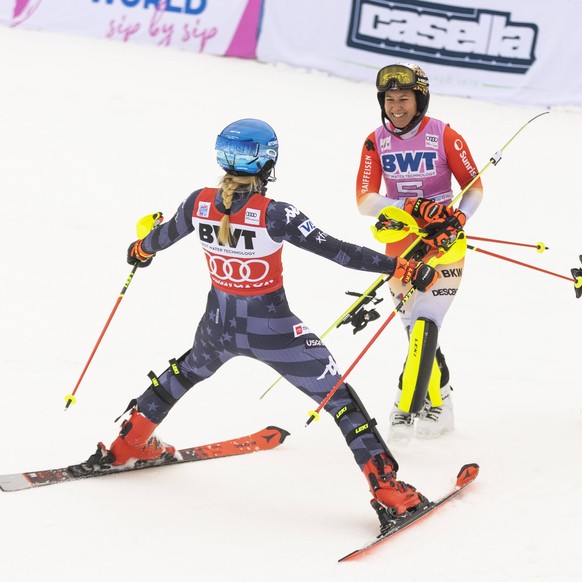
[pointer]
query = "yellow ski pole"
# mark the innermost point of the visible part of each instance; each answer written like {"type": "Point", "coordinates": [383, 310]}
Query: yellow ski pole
{"type": "Point", "coordinates": [494, 160]}
{"type": "Point", "coordinates": [458, 248]}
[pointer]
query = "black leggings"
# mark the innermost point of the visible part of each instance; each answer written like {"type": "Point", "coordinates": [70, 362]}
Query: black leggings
{"type": "Point", "coordinates": [264, 328]}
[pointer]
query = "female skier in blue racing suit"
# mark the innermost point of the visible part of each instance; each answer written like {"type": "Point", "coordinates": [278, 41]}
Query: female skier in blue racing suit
{"type": "Point", "coordinates": [242, 233]}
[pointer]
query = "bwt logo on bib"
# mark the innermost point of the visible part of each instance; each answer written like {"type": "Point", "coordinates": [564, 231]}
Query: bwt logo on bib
{"type": "Point", "coordinates": [209, 234]}
{"type": "Point", "coordinates": [443, 34]}
{"type": "Point", "coordinates": [408, 163]}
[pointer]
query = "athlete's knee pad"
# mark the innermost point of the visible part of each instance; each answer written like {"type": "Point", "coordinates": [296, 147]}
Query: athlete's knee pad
{"type": "Point", "coordinates": [163, 393]}
{"type": "Point", "coordinates": [354, 421]}
{"type": "Point", "coordinates": [171, 374]}
{"type": "Point", "coordinates": [419, 366]}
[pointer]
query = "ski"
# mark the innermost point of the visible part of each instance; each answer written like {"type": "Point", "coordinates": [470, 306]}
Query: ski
{"type": "Point", "coordinates": [392, 526]}
{"type": "Point", "coordinates": [263, 440]}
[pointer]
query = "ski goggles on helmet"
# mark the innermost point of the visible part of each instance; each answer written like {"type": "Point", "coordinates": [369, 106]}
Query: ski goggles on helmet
{"type": "Point", "coordinates": [398, 77]}
{"type": "Point", "coordinates": [245, 156]}
{"type": "Point", "coordinates": [237, 147]}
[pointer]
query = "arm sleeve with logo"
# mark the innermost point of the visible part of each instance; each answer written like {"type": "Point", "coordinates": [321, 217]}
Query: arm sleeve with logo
{"type": "Point", "coordinates": [369, 180]}
{"type": "Point", "coordinates": [464, 169]}
{"type": "Point", "coordinates": [287, 223]}
{"type": "Point", "coordinates": [168, 233]}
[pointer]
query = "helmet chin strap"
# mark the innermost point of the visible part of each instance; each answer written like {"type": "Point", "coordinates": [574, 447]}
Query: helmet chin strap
{"type": "Point", "coordinates": [398, 132]}
{"type": "Point", "coordinates": [414, 123]}
{"type": "Point", "coordinates": [270, 177]}
{"type": "Point", "coordinates": [267, 174]}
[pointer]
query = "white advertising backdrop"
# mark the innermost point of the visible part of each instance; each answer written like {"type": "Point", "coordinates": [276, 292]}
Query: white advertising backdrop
{"type": "Point", "coordinates": [220, 27]}
{"type": "Point", "coordinates": [500, 51]}
{"type": "Point", "coordinates": [495, 50]}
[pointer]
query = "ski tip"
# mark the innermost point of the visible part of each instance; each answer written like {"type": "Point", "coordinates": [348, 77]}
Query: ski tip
{"type": "Point", "coordinates": [353, 556]}
{"type": "Point", "coordinates": [284, 434]}
{"type": "Point", "coordinates": [467, 474]}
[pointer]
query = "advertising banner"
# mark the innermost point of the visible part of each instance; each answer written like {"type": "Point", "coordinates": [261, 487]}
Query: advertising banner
{"type": "Point", "coordinates": [507, 51]}
{"type": "Point", "coordinates": [220, 27]}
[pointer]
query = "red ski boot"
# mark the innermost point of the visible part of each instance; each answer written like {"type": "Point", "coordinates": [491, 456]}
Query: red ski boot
{"type": "Point", "coordinates": [137, 443]}
{"type": "Point", "coordinates": [396, 496]}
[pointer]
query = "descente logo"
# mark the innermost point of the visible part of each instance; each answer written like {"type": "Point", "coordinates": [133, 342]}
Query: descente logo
{"type": "Point", "coordinates": [443, 34]}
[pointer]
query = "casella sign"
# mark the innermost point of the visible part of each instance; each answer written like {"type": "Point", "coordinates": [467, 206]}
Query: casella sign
{"type": "Point", "coordinates": [443, 34]}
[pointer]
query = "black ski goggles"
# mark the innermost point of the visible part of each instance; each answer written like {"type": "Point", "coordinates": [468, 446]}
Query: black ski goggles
{"type": "Point", "coordinates": [398, 77]}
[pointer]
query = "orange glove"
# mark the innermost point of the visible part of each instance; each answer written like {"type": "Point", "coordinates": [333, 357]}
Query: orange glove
{"type": "Point", "coordinates": [137, 256]}
{"type": "Point", "coordinates": [426, 209]}
{"type": "Point", "coordinates": [442, 233]}
{"type": "Point", "coordinates": [419, 275]}
{"type": "Point", "coordinates": [457, 219]}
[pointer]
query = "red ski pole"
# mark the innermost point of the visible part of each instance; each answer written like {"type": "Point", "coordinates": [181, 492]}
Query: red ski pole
{"type": "Point", "coordinates": [540, 247]}
{"type": "Point", "coordinates": [70, 398]}
{"type": "Point", "coordinates": [457, 249]}
{"type": "Point", "coordinates": [144, 226]}
{"type": "Point", "coordinates": [503, 258]}
{"type": "Point", "coordinates": [314, 414]}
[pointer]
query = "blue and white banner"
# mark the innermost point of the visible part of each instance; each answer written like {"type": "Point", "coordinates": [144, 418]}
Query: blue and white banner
{"type": "Point", "coordinates": [507, 51]}
{"type": "Point", "coordinates": [221, 27]}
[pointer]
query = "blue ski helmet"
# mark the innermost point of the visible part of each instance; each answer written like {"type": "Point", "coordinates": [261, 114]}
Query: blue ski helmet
{"type": "Point", "coordinates": [247, 147]}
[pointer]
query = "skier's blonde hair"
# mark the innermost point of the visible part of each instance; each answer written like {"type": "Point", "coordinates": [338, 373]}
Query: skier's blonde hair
{"type": "Point", "coordinates": [228, 185]}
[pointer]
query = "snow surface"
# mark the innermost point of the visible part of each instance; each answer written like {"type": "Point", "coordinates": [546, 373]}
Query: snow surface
{"type": "Point", "coordinates": [96, 134]}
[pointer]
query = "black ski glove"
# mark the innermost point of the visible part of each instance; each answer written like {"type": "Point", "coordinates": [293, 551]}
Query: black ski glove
{"type": "Point", "coordinates": [137, 256]}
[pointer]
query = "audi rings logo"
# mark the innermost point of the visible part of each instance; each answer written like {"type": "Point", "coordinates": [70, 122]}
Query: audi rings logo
{"type": "Point", "coordinates": [237, 270]}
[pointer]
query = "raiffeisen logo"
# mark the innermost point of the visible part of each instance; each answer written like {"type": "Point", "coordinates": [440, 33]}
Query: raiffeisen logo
{"type": "Point", "coordinates": [443, 34]}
